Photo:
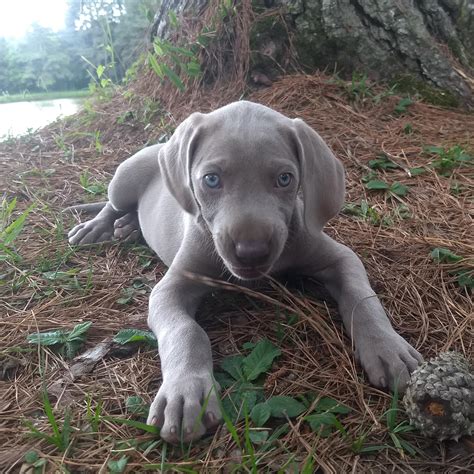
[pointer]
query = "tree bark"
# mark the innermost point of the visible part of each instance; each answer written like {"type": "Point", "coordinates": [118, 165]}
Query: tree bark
{"type": "Point", "coordinates": [432, 40]}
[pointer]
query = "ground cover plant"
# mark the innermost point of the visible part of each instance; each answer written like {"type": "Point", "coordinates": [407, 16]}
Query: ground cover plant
{"type": "Point", "coordinates": [294, 397]}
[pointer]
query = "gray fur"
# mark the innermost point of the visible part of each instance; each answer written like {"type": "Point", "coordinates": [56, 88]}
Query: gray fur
{"type": "Point", "coordinates": [90, 208]}
{"type": "Point", "coordinates": [248, 227]}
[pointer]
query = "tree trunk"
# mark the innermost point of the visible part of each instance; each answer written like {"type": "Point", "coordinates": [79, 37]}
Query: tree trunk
{"type": "Point", "coordinates": [431, 40]}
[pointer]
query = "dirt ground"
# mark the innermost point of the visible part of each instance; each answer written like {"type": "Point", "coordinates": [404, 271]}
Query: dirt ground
{"type": "Point", "coordinates": [54, 286]}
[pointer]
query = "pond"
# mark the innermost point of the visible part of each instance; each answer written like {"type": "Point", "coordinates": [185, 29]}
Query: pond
{"type": "Point", "coordinates": [17, 118]}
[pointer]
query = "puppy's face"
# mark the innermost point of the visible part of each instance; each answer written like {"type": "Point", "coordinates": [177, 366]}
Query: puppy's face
{"type": "Point", "coordinates": [240, 169]}
{"type": "Point", "coordinates": [245, 180]}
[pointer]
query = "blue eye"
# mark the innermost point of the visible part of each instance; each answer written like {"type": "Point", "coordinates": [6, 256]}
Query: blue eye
{"type": "Point", "coordinates": [212, 180]}
{"type": "Point", "coordinates": [284, 180]}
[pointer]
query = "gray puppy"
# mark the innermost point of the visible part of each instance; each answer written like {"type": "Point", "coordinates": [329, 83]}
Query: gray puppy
{"type": "Point", "coordinates": [245, 192]}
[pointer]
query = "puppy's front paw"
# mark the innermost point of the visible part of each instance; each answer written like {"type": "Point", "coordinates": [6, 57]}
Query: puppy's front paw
{"type": "Point", "coordinates": [388, 360]}
{"type": "Point", "coordinates": [91, 232]}
{"type": "Point", "coordinates": [185, 408]}
{"type": "Point", "coordinates": [127, 228]}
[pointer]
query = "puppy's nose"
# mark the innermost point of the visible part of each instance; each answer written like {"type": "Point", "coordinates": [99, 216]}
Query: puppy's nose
{"type": "Point", "coordinates": [252, 252]}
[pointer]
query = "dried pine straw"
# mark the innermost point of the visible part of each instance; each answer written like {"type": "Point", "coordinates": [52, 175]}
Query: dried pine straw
{"type": "Point", "coordinates": [422, 297]}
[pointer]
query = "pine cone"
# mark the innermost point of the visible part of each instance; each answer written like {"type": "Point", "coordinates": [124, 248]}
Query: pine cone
{"type": "Point", "coordinates": [439, 399]}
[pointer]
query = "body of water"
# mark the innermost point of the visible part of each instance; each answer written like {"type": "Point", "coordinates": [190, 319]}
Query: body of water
{"type": "Point", "coordinates": [17, 118]}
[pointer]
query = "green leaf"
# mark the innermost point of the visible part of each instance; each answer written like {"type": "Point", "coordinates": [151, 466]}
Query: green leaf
{"type": "Point", "coordinates": [134, 424]}
{"type": "Point", "coordinates": [70, 348]}
{"type": "Point", "coordinates": [369, 176]}
{"type": "Point", "coordinates": [258, 437]}
{"type": "Point", "coordinates": [322, 423]}
{"type": "Point", "coordinates": [376, 184]}
{"type": "Point", "coordinates": [224, 380]}
{"type": "Point", "coordinates": [118, 466]}
{"type": "Point", "coordinates": [100, 70]}
{"type": "Point", "coordinates": [173, 77]}
{"type": "Point", "coordinates": [392, 412]}
{"type": "Point", "coordinates": [395, 440]}
{"type": "Point", "coordinates": [260, 359]}
{"type": "Point", "coordinates": [402, 105]}
{"type": "Point", "coordinates": [8, 254]}
{"type": "Point", "coordinates": [465, 278]}
{"type": "Point", "coordinates": [398, 189]}
{"type": "Point", "coordinates": [38, 465]}
{"type": "Point", "coordinates": [193, 68]}
{"type": "Point", "coordinates": [79, 331]}
{"type": "Point", "coordinates": [260, 414]}
{"type": "Point", "coordinates": [281, 430]}
{"type": "Point", "coordinates": [457, 188]}
{"type": "Point", "coordinates": [372, 449]}
{"type": "Point", "coordinates": [351, 209]}
{"type": "Point", "coordinates": [155, 66]}
{"type": "Point", "coordinates": [158, 48]}
{"type": "Point", "coordinates": [31, 457]}
{"type": "Point", "coordinates": [67, 342]}
{"type": "Point", "coordinates": [50, 414]}
{"type": "Point", "coordinates": [97, 188]}
{"type": "Point", "coordinates": [9, 234]}
{"type": "Point", "coordinates": [382, 162]}
{"type": "Point", "coordinates": [173, 18]}
{"type": "Point", "coordinates": [417, 171]}
{"type": "Point", "coordinates": [58, 275]}
{"type": "Point", "coordinates": [240, 401]}
{"type": "Point", "coordinates": [66, 430]}
{"type": "Point", "coordinates": [125, 336]}
{"type": "Point", "coordinates": [408, 447]}
{"type": "Point", "coordinates": [437, 150]}
{"type": "Point", "coordinates": [47, 338]}
{"type": "Point", "coordinates": [464, 157]}
{"type": "Point", "coordinates": [327, 404]}
{"type": "Point", "coordinates": [282, 406]}
{"type": "Point", "coordinates": [248, 345]}
{"type": "Point", "coordinates": [124, 299]}
{"type": "Point", "coordinates": [136, 405]}
{"type": "Point", "coordinates": [442, 255]}
{"type": "Point", "coordinates": [179, 50]}
{"type": "Point", "coordinates": [233, 366]}
{"type": "Point", "coordinates": [36, 433]}
{"type": "Point", "coordinates": [403, 427]}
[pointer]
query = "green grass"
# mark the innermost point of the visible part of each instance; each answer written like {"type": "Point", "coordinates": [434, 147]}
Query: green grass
{"type": "Point", "coordinates": [30, 97]}
{"type": "Point", "coordinates": [61, 437]}
{"type": "Point", "coordinates": [10, 227]}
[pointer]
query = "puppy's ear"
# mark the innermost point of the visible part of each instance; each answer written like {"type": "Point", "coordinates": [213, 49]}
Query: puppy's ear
{"type": "Point", "coordinates": [322, 178]}
{"type": "Point", "coordinates": [175, 159]}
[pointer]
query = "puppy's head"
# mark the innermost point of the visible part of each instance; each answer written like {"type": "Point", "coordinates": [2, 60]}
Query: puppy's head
{"type": "Point", "coordinates": [241, 168]}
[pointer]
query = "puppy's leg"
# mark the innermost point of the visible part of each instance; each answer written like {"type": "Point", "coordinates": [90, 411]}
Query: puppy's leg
{"type": "Point", "coordinates": [186, 404]}
{"type": "Point", "coordinates": [130, 178]}
{"type": "Point", "coordinates": [385, 356]}
{"type": "Point", "coordinates": [99, 229]}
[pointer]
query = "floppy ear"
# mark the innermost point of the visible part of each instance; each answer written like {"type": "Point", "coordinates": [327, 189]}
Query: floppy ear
{"type": "Point", "coordinates": [322, 179]}
{"type": "Point", "coordinates": [175, 159]}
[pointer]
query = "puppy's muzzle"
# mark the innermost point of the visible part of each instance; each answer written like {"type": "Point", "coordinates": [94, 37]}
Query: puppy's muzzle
{"type": "Point", "coordinates": [252, 253]}
{"type": "Point", "coordinates": [251, 259]}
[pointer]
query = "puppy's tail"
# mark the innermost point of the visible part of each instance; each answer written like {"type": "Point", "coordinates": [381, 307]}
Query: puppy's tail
{"type": "Point", "coordinates": [92, 208]}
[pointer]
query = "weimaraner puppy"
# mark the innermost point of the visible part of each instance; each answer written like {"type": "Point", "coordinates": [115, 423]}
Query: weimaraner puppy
{"type": "Point", "coordinates": [241, 192]}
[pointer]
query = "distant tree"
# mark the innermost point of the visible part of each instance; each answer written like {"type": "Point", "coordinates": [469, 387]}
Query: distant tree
{"type": "Point", "coordinates": [104, 32]}
{"type": "Point", "coordinates": [4, 66]}
{"type": "Point", "coordinates": [45, 60]}
{"type": "Point", "coordinates": [111, 32]}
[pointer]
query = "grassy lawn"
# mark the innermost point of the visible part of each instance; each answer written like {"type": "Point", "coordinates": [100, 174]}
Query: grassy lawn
{"type": "Point", "coordinates": [29, 97]}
